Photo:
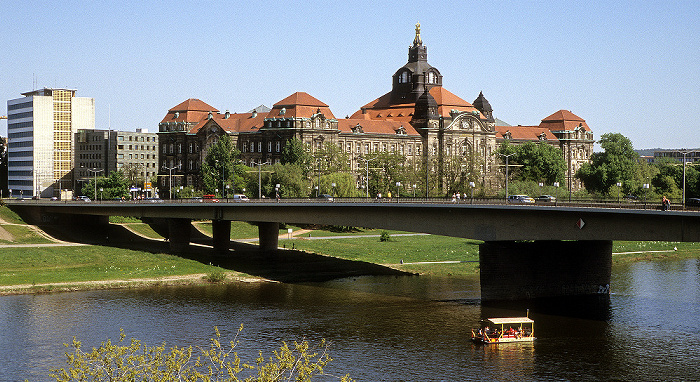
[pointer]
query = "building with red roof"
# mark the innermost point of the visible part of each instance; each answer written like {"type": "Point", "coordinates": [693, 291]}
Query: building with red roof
{"type": "Point", "coordinates": [418, 119]}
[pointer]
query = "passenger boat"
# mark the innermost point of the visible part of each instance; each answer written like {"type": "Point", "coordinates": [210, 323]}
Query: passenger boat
{"type": "Point", "coordinates": [504, 329]}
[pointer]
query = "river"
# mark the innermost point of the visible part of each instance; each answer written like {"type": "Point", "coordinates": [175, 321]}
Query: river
{"type": "Point", "coordinates": [384, 328]}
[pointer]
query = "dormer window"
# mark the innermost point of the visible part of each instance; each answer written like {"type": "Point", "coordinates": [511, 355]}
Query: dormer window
{"type": "Point", "coordinates": [401, 130]}
{"type": "Point", "coordinates": [507, 135]}
{"type": "Point", "coordinates": [403, 78]}
{"type": "Point", "coordinates": [432, 78]}
{"type": "Point", "coordinates": [542, 136]}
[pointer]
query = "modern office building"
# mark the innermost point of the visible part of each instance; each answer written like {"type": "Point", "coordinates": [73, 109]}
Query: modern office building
{"type": "Point", "coordinates": [100, 152]}
{"type": "Point", "coordinates": [40, 128]}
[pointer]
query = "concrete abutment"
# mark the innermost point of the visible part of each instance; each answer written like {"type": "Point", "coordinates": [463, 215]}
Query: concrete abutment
{"type": "Point", "coordinates": [221, 234]}
{"type": "Point", "coordinates": [179, 234]}
{"type": "Point", "coordinates": [268, 234]}
{"type": "Point", "coordinates": [513, 270]}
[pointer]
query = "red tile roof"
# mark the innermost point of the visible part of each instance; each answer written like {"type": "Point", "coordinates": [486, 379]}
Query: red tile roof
{"type": "Point", "coordinates": [524, 133]}
{"type": "Point", "coordinates": [190, 111]}
{"type": "Point", "coordinates": [235, 123]}
{"type": "Point", "coordinates": [388, 127]}
{"type": "Point", "coordinates": [300, 105]}
{"type": "Point", "coordinates": [564, 120]}
{"type": "Point", "coordinates": [381, 107]}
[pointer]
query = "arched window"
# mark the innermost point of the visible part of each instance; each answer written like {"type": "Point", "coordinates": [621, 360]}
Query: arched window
{"type": "Point", "coordinates": [432, 78]}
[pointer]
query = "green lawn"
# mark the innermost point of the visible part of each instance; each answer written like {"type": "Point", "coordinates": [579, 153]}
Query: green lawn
{"type": "Point", "coordinates": [89, 263]}
{"type": "Point", "coordinates": [145, 230]}
{"type": "Point", "coordinates": [9, 216]}
{"type": "Point", "coordinates": [22, 234]}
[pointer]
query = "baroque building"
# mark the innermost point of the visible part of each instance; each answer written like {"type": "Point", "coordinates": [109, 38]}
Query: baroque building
{"type": "Point", "coordinates": [437, 131]}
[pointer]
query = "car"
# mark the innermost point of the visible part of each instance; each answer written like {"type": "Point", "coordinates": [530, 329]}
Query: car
{"type": "Point", "coordinates": [546, 199]}
{"type": "Point", "coordinates": [325, 197]}
{"type": "Point", "coordinates": [54, 198]}
{"type": "Point", "coordinates": [692, 202]}
{"type": "Point", "coordinates": [153, 200]}
{"type": "Point", "coordinates": [240, 198]}
{"type": "Point", "coordinates": [82, 198]}
{"type": "Point", "coordinates": [210, 198]}
{"type": "Point", "coordinates": [520, 199]}
{"type": "Point", "coordinates": [196, 199]}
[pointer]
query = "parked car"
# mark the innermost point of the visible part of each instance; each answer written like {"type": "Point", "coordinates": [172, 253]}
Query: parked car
{"type": "Point", "coordinates": [520, 199]}
{"type": "Point", "coordinates": [546, 199]}
{"type": "Point", "coordinates": [240, 198]}
{"type": "Point", "coordinates": [153, 200]}
{"type": "Point", "coordinates": [325, 197]}
{"type": "Point", "coordinates": [82, 198]}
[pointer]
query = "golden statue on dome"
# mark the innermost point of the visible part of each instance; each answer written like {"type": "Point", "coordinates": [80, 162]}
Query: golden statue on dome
{"type": "Point", "coordinates": [417, 40]}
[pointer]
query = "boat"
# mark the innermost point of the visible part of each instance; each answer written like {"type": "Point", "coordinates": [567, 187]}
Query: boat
{"type": "Point", "coordinates": [504, 330]}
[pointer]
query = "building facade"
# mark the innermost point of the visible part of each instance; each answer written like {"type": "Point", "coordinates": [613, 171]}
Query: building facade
{"type": "Point", "coordinates": [433, 128]}
{"type": "Point", "coordinates": [40, 128]}
{"type": "Point", "coordinates": [104, 151]}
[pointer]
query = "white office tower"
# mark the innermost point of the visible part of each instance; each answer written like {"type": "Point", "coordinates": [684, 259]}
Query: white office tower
{"type": "Point", "coordinates": [40, 128]}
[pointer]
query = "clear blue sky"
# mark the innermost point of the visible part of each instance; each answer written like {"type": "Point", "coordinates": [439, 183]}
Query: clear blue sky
{"type": "Point", "coordinates": [628, 67]}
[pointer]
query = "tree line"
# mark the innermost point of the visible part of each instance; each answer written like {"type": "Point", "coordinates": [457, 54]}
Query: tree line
{"type": "Point", "coordinates": [533, 168]}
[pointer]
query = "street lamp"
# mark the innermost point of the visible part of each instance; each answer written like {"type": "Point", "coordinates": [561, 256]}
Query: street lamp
{"type": "Point", "coordinates": [398, 190]}
{"type": "Point", "coordinates": [277, 192]}
{"type": "Point", "coordinates": [170, 173]}
{"type": "Point", "coordinates": [414, 190]}
{"type": "Point", "coordinates": [507, 157]}
{"type": "Point", "coordinates": [366, 173]}
{"type": "Point", "coordinates": [95, 171]}
{"type": "Point", "coordinates": [260, 164]}
{"type": "Point", "coordinates": [472, 185]}
{"type": "Point", "coordinates": [619, 186]}
{"type": "Point", "coordinates": [101, 195]}
{"type": "Point", "coordinates": [646, 187]}
{"type": "Point", "coordinates": [227, 187]}
{"type": "Point", "coordinates": [556, 195]}
{"type": "Point", "coordinates": [685, 153]}
{"type": "Point", "coordinates": [333, 185]}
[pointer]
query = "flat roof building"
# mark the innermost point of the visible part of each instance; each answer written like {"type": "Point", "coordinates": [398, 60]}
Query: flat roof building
{"type": "Point", "coordinates": [40, 128]}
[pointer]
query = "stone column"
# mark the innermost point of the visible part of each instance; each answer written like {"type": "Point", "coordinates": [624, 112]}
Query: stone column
{"type": "Point", "coordinates": [268, 234]}
{"type": "Point", "coordinates": [179, 234]}
{"type": "Point", "coordinates": [526, 270]}
{"type": "Point", "coordinates": [221, 232]}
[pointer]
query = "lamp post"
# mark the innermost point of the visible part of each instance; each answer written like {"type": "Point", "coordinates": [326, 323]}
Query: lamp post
{"type": "Point", "coordinates": [101, 194]}
{"type": "Point", "coordinates": [619, 186]}
{"type": "Point", "coordinates": [95, 171]}
{"type": "Point", "coordinates": [259, 164]}
{"type": "Point", "coordinates": [471, 186]}
{"type": "Point", "coordinates": [227, 187]}
{"type": "Point", "coordinates": [507, 157]}
{"type": "Point", "coordinates": [333, 185]}
{"type": "Point", "coordinates": [366, 174]}
{"type": "Point", "coordinates": [685, 153]}
{"type": "Point", "coordinates": [170, 173]}
{"type": "Point", "coordinates": [277, 192]}
{"type": "Point", "coordinates": [556, 193]}
{"type": "Point", "coordinates": [414, 190]}
{"type": "Point", "coordinates": [398, 191]}
{"type": "Point", "coordinates": [646, 187]}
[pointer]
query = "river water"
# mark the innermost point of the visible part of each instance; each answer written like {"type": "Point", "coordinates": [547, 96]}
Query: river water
{"type": "Point", "coordinates": [385, 328]}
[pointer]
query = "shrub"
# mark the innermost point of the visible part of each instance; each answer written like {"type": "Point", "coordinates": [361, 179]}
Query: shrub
{"type": "Point", "coordinates": [134, 361]}
{"type": "Point", "coordinates": [216, 276]}
{"type": "Point", "coordinates": [384, 236]}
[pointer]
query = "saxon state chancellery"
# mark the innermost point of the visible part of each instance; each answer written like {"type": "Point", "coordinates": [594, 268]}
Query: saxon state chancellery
{"type": "Point", "coordinates": [418, 118]}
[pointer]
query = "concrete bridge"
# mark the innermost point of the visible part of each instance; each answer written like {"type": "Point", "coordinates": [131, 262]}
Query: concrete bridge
{"type": "Point", "coordinates": [528, 251]}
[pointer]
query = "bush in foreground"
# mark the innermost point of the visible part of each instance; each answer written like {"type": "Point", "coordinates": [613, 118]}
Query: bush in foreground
{"type": "Point", "coordinates": [134, 361]}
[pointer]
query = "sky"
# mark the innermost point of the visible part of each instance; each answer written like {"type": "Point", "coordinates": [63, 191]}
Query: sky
{"type": "Point", "coordinates": [629, 67]}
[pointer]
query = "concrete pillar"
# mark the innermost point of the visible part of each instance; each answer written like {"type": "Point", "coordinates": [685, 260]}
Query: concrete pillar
{"type": "Point", "coordinates": [179, 234]}
{"type": "Point", "coordinates": [526, 270]}
{"type": "Point", "coordinates": [268, 234]}
{"type": "Point", "coordinates": [221, 232]}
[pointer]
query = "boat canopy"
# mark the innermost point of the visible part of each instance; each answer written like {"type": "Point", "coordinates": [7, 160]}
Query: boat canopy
{"type": "Point", "coordinates": [510, 320]}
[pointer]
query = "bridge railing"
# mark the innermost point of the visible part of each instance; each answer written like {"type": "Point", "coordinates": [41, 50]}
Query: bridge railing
{"type": "Point", "coordinates": [592, 203]}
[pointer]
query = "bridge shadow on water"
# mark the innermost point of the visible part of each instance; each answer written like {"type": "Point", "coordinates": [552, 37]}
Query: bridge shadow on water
{"type": "Point", "coordinates": [595, 307]}
{"type": "Point", "coordinates": [282, 265]}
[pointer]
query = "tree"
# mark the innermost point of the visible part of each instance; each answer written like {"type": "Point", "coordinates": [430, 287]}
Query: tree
{"type": "Point", "coordinates": [330, 158]}
{"type": "Point", "coordinates": [618, 163]}
{"type": "Point", "coordinates": [345, 185]}
{"type": "Point", "coordinates": [133, 173]}
{"type": "Point", "coordinates": [134, 361]}
{"type": "Point", "coordinates": [222, 167]}
{"type": "Point", "coordinates": [537, 162]}
{"type": "Point", "coordinates": [113, 186]}
{"type": "Point", "coordinates": [385, 169]}
{"type": "Point", "coordinates": [295, 152]}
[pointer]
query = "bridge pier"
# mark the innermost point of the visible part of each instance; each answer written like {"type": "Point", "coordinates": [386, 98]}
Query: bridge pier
{"type": "Point", "coordinates": [268, 234]}
{"type": "Point", "coordinates": [179, 234]}
{"type": "Point", "coordinates": [513, 270]}
{"type": "Point", "coordinates": [221, 233]}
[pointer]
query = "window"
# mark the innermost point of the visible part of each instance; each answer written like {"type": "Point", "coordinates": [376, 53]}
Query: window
{"type": "Point", "coordinates": [432, 78]}
{"type": "Point", "coordinates": [190, 147]}
{"type": "Point", "coordinates": [172, 146]}
{"type": "Point", "coordinates": [403, 78]}
{"type": "Point", "coordinates": [179, 148]}
{"type": "Point", "coordinates": [259, 147]}
{"type": "Point", "coordinates": [252, 147]}
{"type": "Point", "coordinates": [277, 146]}
{"type": "Point", "coordinates": [165, 149]}
{"type": "Point", "coordinates": [269, 147]}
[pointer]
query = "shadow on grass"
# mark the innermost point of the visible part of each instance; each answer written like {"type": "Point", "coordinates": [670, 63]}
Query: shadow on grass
{"type": "Point", "coordinates": [279, 265]}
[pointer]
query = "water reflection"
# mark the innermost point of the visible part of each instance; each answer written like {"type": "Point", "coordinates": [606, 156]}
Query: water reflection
{"type": "Point", "coordinates": [386, 328]}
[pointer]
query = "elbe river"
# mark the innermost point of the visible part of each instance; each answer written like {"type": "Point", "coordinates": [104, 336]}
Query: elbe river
{"type": "Point", "coordinates": [385, 328]}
